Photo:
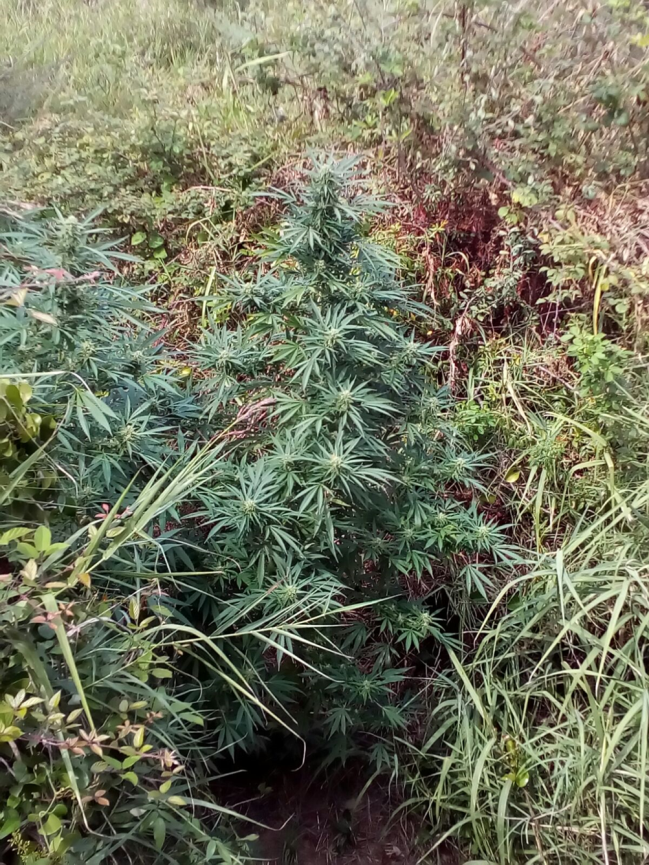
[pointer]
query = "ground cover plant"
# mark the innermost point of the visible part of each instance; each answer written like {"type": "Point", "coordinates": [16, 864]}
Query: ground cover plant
{"type": "Point", "coordinates": [323, 431]}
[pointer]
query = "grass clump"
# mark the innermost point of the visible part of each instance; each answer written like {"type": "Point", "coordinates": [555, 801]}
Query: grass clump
{"type": "Point", "coordinates": [536, 749]}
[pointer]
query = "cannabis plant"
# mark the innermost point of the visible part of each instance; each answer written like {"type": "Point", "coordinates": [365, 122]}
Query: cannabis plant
{"type": "Point", "coordinates": [346, 482]}
{"type": "Point", "coordinates": [88, 351]}
{"type": "Point", "coordinates": [107, 685]}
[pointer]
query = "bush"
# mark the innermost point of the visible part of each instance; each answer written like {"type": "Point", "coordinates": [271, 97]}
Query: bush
{"type": "Point", "coordinates": [88, 344]}
{"type": "Point", "coordinates": [275, 531]}
{"type": "Point", "coordinates": [345, 476]}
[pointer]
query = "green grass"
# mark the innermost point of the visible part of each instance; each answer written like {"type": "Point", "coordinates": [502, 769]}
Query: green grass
{"type": "Point", "coordinates": [538, 752]}
{"type": "Point", "coordinates": [113, 57]}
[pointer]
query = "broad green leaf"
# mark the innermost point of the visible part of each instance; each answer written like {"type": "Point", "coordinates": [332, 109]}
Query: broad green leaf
{"type": "Point", "coordinates": [42, 538]}
{"type": "Point", "coordinates": [10, 823]}
{"type": "Point", "coordinates": [178, 801]}
{"type": "Point", "coordinates": [13, 535]}
{"type": "Point", "coordinates": [159, 831]}
{"type": "Point", "coordinates": [52, 824]}
{"type": "Point", "coordinates": [26, 549]}
{"type": "Point", "coordinates": [161, 673]}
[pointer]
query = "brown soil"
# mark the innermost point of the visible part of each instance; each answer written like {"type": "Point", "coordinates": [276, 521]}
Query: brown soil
{"type": "Point", "coordinates": [318, 820]}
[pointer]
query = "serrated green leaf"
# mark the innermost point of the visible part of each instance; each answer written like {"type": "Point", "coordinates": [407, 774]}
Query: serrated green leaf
{"type": "Point", "coordinates": [97, 409]}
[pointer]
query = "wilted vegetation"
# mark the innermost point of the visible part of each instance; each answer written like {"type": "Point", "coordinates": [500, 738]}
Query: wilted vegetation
{"type": "Point", "coordinates": [323, 432]}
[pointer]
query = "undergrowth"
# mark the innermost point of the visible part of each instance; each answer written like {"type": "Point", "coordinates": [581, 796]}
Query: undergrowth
{"type": "Point", "coordinates": [337, 459]}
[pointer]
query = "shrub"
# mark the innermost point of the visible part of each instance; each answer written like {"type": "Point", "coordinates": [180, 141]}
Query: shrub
{"type": "Point", "coordinates": [345, 478]}
{"type": "Point", "coordinates": [98, 704]}
{"type": "Point", "coordinates": [88, 344]}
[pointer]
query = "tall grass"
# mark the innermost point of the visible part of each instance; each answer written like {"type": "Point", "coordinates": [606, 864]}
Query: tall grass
{"type": "Point", "coordinates": [109, 56]}
{"type": "Point", "coordinates": [537, 743]}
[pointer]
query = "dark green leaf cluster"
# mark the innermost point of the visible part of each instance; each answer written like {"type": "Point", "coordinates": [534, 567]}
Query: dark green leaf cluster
{"type": "Point", "coordinates": [346, 482]}
{"type": "Point", "coordinates": [91, 349]}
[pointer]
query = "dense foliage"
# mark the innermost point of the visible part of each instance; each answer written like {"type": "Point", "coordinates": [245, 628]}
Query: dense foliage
{"type": "Point", "coordinates": [296, 471]}
{"type": "Point", "coordinates": [346, 475]}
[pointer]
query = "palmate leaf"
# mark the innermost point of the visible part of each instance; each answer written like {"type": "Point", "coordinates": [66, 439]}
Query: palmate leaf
{"type": "Point", "coordinates": [334, 467]}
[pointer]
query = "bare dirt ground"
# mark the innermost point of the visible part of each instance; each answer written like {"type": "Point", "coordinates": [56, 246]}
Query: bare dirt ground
{"type": "Point", "coordinates": [315, 819]}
